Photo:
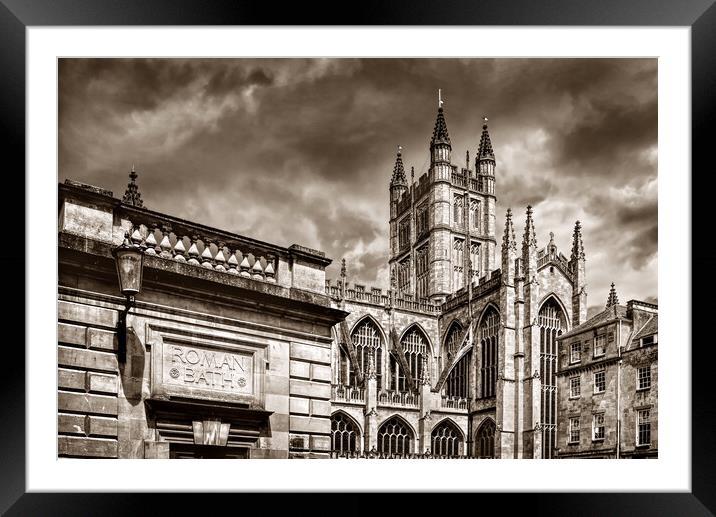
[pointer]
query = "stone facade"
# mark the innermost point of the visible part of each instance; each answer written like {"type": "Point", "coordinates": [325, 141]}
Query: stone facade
{"type": "Point", "coordinates": [490, 349]}
{"type": "Point", "coordinates": [228, 344]}
{"type": "Point", "coordinates": [608, 379]}
{"type": "Point", "coordinates": [241, 348]}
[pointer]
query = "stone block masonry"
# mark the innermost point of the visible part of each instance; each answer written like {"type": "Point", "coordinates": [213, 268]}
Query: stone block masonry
{"type": "Point", "coordinates": [87, 382]}
{"type": "Point", "coordinates": [310, 393]}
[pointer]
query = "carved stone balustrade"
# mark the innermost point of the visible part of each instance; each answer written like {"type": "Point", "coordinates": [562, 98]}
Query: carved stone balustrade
{"type": "Point", "coordinates": [398, 399]}
{"type": "Point", "coordinates": [185, 244]}
{"type": "Point", "coordinates": [341, 393]}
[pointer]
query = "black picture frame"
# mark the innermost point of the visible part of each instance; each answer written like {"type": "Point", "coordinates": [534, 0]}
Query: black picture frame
{"type": "Point", "coordinates": [17, 15]}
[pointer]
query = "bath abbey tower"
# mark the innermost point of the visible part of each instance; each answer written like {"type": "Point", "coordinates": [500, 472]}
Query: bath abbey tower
{"type": "Point", "coordinates": [459, 356]}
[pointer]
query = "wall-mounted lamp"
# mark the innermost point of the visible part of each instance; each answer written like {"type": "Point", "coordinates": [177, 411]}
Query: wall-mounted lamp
{"type": "Point", "coordinates": [129, 260]}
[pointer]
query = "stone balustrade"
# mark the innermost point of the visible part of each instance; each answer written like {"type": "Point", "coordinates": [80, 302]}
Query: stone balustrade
{"type": "Point", "coordinates": [341, 393]}
{"type": "Point", "coordinates": [376, 296]}
{"type": "Point", "coordinates": [203, 250]}
{"type": "Point", "coordinates": [398, 399]}
{"type": "Point", "coordinates": [484, 285]}
{"type": "Point", "coordinates": [460, 403]}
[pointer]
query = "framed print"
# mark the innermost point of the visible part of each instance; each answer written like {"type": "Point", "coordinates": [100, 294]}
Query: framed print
{"type": "Point", "coordinates": [335, 250]}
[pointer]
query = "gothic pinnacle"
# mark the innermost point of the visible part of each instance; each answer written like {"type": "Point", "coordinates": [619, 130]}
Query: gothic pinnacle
{"type": "Point", "coordinates": [612, 299]}
{"type": "Point", "coordinates": [529, 239]}
{"type": "Point", "coordinates": [508, 238]}
{"type": "Point", "coordinates": [399, 170]}
{"type": "Point", "coordinates": [485, 151]}
{"type": "Point", "coordinates": [440, 132]}
{"type": "Point", "coordinates": [132, 196]}
{"type": "Point", "coordinates": [577, 244]}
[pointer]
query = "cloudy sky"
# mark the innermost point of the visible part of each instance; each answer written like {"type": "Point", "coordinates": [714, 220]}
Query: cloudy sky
{"type": "Point", "coordinates": [301, 151]}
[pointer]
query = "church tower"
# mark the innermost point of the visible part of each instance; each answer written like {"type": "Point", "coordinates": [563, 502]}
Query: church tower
{"type": "Point", "coordinates": [442, 227]}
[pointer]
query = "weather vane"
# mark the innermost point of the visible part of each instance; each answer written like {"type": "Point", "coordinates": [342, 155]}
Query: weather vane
{"type": "Point", "coordinates": [440, 98]}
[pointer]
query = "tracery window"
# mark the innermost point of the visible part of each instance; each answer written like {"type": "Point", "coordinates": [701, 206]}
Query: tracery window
{"type": "Point", "coordinates": [475, 215]}
{"type": "Point", "coordinates": [404, 275]}
{"type": "Point", "coordinates": [458, 210]}
{"type": "Point", "coordinates": [458, 263]}
{"type": "Point", "coordinates": [458, 382]}
{"type": "Point", "coordinates": [486, 440]}
{"type": "Point", "coordinates": [475, 260]}
{"type": "Point", "coordinates": [395, 438]}
{"type": "Point", "coordinates": [422, 272]}
{"type": "Point", "coordinates": [414, 345]}
{"type": "Point", "coordinates": [345, 436]}
{"type": "Point", "coordinates": [489, 329]}
{"type": "Point", "coordinates": [367, 342]}
{"type": "Point", "coordinates": [421, 219]}
{"type": "Point", "coordinates": [404, 233]}
{"type": "Point", "coordinates": [454, 339]}
{"type": "Point", "coordinates": [552, 322]}
{"type": "Point", "coordinates": [446, 440]}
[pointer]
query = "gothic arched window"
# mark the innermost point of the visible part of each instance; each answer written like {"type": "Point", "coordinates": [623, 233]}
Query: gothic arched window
{"type": "Point", "coordinates": [458, 382]}
{"type": "Point", "coordinates": [486, 440]}
{"type": "Point", "coordinates": [552, 322]}
{"type": "Point", "coordinates": [345, 436]}
{"type": "Point", "coordinates": [489, 329]}
{"type": "Point", "coordinates": [453, 340]}
{"type": "Point", "coordinates": [446, 440]}
{"type": "Point", "coordinates": [395, 437]}
{"type": "Point", "coordinates": [415, 346]}
{"type": "Point", "coordinates": [367, 342]}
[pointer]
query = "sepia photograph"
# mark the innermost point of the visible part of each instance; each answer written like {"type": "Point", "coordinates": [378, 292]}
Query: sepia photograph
{"type": "Point", "coordinates": [349, 258]}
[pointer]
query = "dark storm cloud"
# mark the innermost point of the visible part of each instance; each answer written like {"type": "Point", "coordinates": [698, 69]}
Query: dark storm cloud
{"type": "Point", "coordinates": [301, 150]}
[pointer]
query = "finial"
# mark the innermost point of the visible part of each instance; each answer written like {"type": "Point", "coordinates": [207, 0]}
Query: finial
{"type": "Point", "coordinates": [440, 98]}
{"type": "Point", "coordinates": [530, 237]}
{"type": "Point", "coordinates": [132, 195]}
{"type": "Point", "coordinates": [612, 299]}
{"type": "Point", "coordinates": [400, 149]}
{"type": "Point", "coordinates": [577, 245]}
{"type": "Point", "coordinates": [467, 159]}
{"type": "Point", "coordinates": [484, 122]}
{"type": "Point", "coordinates": [343, 268]}
{"type": "Point", "coordinates": [412, 175]}
{"type": "Point", "coordinates": [508, 239]}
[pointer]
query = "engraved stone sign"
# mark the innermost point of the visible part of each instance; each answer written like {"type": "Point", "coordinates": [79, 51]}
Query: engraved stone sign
{"type": "Point", "coordinates": [208, 369]}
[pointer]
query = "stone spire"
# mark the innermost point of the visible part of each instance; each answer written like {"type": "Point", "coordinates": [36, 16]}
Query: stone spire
{"type": "Point", "coordinates": [577, 245]}
{"type": "Point", "coordinates": [398, 170]}
{"type": "Point", "coordinates": [509, 242]}
{"type": "Point", "coordinates": [612, 299]}
{"type": "Point", "coordinates": [440, 133]}
{"type": "Point", "coordinates": [530, 238]}
{"type": "Point", "coordinates": [132, 195]}
{"type": "Point", "coordinates": [485, 151]}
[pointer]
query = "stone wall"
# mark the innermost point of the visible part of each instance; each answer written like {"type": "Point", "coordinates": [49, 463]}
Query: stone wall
{"type": "Point", "coordinates": [87, 381]}
{"type": "Point", "coordinates": [634, 399]}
